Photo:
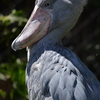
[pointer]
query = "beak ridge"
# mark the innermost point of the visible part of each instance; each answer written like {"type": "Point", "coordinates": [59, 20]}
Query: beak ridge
{"type": "Point", "coordinates": [36, 27]}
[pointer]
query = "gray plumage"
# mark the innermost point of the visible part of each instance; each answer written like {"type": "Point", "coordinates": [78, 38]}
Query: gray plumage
{"type": "Point", "coordinates": [58, 74]}
{"type": "Point", "coordinates": [53, 71]}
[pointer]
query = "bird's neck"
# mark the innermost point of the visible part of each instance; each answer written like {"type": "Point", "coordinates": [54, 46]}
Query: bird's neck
{"type": "Point", "coordinates": [35, 51]}
{"type": "Point", "coordinates": [49, 42]}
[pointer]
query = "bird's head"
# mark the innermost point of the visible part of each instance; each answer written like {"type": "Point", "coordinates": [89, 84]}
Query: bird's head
{"type": "Point", "coordinates": [53, 17]}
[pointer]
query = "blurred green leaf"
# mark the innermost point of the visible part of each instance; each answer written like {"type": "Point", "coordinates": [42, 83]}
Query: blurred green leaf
{"type": "Point", "coordinates": [2, 93]}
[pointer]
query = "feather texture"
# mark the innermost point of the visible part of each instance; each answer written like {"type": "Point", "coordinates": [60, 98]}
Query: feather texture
{"type": "Point", "coordinates": [57, 77]}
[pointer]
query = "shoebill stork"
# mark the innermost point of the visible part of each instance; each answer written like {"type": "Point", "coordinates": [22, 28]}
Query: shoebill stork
{"type": "Point", "coordinates": [53, 71]}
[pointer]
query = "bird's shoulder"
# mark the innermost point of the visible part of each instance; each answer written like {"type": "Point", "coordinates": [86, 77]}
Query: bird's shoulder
{"type": "Point", "coordinates": [62, 76]}
{"type": "Point", "coordinates": [58, 76]}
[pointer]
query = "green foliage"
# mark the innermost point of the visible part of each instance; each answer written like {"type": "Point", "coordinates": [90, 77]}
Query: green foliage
{"type": "Point", "coordinates": [16, 71]}
{"type": "Point", "coordinates": [12, 67]}
{"type": "Point", "coordinates": [2, 93]}
{"type": "Point", "coordinates": [12, 18]}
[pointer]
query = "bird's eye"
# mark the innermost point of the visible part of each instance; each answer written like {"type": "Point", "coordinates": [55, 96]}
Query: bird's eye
{"type": "Point", "coordinates": [47, 4]}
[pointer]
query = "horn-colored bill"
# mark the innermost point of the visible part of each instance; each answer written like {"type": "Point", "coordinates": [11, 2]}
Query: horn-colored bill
{"type": "Point", "coordinates": [36, 27]}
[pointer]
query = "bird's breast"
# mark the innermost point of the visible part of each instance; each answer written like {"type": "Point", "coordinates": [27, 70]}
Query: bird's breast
{"type": "Point", "coordinates": [42, 72]}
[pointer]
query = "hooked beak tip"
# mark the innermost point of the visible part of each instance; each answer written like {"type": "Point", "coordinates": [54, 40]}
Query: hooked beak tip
{"type": "Point", "coordinates": [13, 46]}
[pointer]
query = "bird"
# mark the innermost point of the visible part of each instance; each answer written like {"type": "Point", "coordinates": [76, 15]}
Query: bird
{"type": "Point", "coordinates": [53, 71]}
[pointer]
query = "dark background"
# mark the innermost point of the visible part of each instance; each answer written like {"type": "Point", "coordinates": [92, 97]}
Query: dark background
{"type": "Point", "coordinates": [84, 40]}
